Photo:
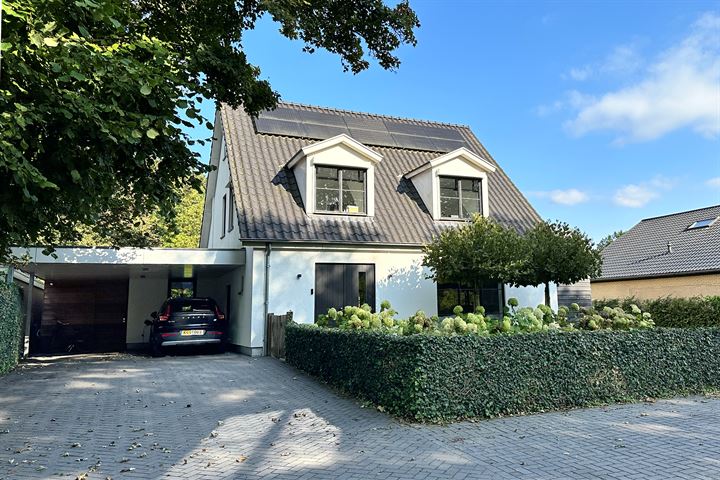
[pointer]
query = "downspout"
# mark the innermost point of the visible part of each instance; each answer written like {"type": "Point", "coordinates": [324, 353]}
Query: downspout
{"type": "Point", "coordinates": [266, 304]}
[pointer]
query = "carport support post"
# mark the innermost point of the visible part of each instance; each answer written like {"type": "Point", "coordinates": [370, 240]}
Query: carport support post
{"type": "Point", "coordinates": [28, 316]}
{"type": "Point", "coordinates": [10, 274]}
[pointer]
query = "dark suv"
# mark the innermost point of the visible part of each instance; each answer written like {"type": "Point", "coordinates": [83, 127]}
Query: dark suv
{"type": "Point", "coordinates": [187, 321]}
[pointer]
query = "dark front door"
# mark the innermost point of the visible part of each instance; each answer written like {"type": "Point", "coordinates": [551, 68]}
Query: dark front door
{"type": "Point", "coordinates": [342, 284]}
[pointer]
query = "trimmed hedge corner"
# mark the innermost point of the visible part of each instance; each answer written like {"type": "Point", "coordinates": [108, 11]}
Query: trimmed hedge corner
{"type": "Point", "coordinates": [10, 324]}
{"type": "Point", "coordinates": [672, 311]}
{"type": "Point", "coordinates": [436, 378]}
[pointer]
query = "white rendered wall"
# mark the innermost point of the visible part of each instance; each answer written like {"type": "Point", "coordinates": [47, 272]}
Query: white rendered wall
{"type": "Point", "coordinates": [145, 295]}
{"type": "Point", "coordinates": [532, 296]}
{"type": "Point", "coordinates": [399, 278]}
{"type": "Point", "coordinates": [231, 239]}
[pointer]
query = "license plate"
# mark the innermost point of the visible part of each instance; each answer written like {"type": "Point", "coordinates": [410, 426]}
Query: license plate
{"type": "Point", "coordinates": [188, 333]}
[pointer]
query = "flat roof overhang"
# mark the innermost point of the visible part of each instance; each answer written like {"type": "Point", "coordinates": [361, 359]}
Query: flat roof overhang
{"type": "Point", "coordinates": [100, 262]}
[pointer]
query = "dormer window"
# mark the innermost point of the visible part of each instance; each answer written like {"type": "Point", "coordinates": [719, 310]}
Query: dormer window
{"type": "Point", "coordinates": [460, 197]}
{"type": "Point", "coordinates": [340, 190]}
{"type": "Point", "coordinates": [454, 186]}
{"type": "Point", "coordinates": [336, 176]}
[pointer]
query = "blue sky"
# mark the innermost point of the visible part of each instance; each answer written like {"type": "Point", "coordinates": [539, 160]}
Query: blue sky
{"type": "Point", "coordinates": [601, 113]}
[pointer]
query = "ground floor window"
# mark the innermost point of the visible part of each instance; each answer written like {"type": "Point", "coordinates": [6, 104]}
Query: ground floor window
{"type": "Point", "coordinates": [489, 295]}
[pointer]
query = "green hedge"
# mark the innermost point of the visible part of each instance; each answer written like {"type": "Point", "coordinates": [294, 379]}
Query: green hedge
{"type": "Point", "coordinates": [10, 324]}
{"type": "Point", "coordinates": [434, 378]}
{"type": "Point", "coordinates": [674, 312]}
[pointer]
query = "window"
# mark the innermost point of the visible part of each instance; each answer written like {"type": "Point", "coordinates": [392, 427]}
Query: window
{"type": "Point", "coordinates": [340, 190]}
{"type": "Point", "coordinates": [231, 212]}
{"type": "Point", "coordinates": [702, 223]}
{"type": "Point", "coordinates": [459, 197]}
{"type": "Point", "coordinates": [488, 295]}
{"type": "Point", "coordinates": [181, 288]}
{"type": "Point", "coordinates": [224, 216]}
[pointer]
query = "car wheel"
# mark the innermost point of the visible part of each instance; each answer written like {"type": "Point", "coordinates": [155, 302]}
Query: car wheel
{"type": "Point", "coordinates": [156, 349]}
{"type": "Point", "coordinates": [221, 348]}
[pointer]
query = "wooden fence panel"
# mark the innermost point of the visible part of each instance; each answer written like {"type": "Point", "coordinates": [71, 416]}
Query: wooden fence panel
{"type": "Point", "coordinates": [276, 333]}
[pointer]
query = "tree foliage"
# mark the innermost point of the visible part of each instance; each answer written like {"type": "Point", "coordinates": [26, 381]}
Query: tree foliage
{"type": "Point", "coordinates": [127, 228]}
{"type": "Point", "coordinates": [559, 253]}
{"type": "Point", "coordinates": [96, 96]}
{"type": "Point", "coordinates": [483, 251]}
{"type": "Point", "coordinates": [477, 252]}
{"type": "Point", "coordinates": [607, 240]}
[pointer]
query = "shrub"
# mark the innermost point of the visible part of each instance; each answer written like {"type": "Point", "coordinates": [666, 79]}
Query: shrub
{"type": "Point", "coordinates": [10, 326]}
{"type": "Point", "coordinates": [518, 320]}
{"type": "Point", "coordinates": [673, 312]}
{"type": "Point", "coordinates": [441, 378]}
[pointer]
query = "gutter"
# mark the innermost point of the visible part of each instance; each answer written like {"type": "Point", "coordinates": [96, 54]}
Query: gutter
{"type": "Point", "coordinates": [692, 273]}
{"type": "Point", "coordinates": [266, 302]}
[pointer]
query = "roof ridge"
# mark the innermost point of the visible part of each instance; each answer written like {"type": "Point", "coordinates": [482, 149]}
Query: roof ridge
{"type": "Point", "coordinates": [680, 213]}
{"type": "Point", "coordinates": [376, 115]}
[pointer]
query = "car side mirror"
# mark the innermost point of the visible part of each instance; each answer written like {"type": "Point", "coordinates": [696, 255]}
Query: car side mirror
{"type": "Point", "coordinates": [148, 322]}
{"type": "Point", "coordinates": [154, 315]}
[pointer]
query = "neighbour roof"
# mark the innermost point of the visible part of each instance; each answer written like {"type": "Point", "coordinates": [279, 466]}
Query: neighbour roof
{"type": "Point", "coordinates": [269, 204]}
{"type": "Point", "coordinates": [643, 250]}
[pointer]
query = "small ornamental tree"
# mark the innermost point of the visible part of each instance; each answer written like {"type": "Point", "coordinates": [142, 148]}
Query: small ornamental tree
{"type": "Point", "coordinates": [477, 252]}
{"type": "Point", "coordinates": [558, 253]}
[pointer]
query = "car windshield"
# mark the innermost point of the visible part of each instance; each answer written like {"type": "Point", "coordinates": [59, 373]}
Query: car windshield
{"type": "Point", "coordinates": [192, 305]}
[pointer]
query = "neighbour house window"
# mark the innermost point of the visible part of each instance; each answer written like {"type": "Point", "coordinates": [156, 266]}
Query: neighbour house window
{"type": "Point", "coordinates": [489, 295]}
{"type": "Point", "coordinates": [224, 216]}
{"type": "Point", "coordinates": [340, 190]}
{"type": "Point", "coordinates": [460, 197]}
{"type": "Point", "coordinates": [231, 212]}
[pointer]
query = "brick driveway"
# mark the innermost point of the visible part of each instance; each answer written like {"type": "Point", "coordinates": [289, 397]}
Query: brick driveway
{"type": "Point", "coordinates": [229, 416]}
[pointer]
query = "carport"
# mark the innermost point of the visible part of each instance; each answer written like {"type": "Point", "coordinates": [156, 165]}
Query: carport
{"type": "Point", "coordinates": [97, 299]}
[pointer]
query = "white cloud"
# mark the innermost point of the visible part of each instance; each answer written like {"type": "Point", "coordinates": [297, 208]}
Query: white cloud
{"type": "Point", "coordinates": [678, 90]}
{"type": "Point", "coordinates": [570, 196]}
{"type": "Point", "coordinates": [713, 182]}
{"type": "Point", "coordinates": [634, 196]}
{"type": "Point", "coordinates": [581, 73]}
{"type": "Point", "coordinates": [640, 194]}
{"type": "Point", "coordinates": [624, 59]}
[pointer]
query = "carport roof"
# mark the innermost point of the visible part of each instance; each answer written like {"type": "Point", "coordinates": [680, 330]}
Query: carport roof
{"type": "Point", "coordinates": [97, 262]}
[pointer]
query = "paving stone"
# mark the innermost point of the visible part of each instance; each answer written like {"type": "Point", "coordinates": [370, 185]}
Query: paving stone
{"type": "Point", "coordinates": [234, 417]}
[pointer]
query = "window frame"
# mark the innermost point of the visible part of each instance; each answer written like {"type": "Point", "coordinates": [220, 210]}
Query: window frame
{"type": "Point", "coordinates": [224, 215]}
{"type": "Point", "coordinates": [459, 179]}
{"type": "Point", "coordinates": [231, 211]}
{"type": "Point", "coordinates": [475, 291]}
{"type": "Point", "coordinates": [340, 211]}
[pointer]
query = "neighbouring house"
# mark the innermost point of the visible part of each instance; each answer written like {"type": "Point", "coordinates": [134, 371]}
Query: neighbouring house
{"type": "Point", "coordinates": [307, 208]}
{"type": "Point", "coordinates": [332, 208]}
{"type": "Point", "coordinates": [672, 255]}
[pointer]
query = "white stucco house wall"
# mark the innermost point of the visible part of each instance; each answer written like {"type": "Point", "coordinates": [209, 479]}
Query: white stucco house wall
{"type": "Point", "coordinates": [332, 208]}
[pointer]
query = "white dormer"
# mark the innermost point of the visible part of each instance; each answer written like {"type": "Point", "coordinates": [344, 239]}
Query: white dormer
{"type": "Point", "coordinates": [455, 185]}
{"type": "Point", "coordinates": [336, 176]}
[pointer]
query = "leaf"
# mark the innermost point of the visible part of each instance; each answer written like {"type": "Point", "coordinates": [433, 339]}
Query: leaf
{"type": "Point", "coordinates": [75, 175]}
{"type": "Point", "coordinates": [152, 133]}
{"type": "Point", "coordinates": [4, 46]}
{"type": "Point", "coordinates": [145, 89]}
{"type": "Point", "coordinates": [50, 42]}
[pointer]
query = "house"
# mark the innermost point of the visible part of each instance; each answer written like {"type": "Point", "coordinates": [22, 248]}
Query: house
{"type": "Point", "coordinates": [672, 255]}
{"type": "Point", "coordinates": [332, 207]}
{"type": "Point", "coordinates": [308, 208]}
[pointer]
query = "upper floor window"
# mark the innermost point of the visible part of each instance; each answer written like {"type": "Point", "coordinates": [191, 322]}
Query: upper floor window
{"type": "Point", "coordinates": [341, 190]}
{"type": "Point", "coordinates": [231, 212]}
{"type": "Point", "coordinates": [224, 216]}
{"type": "Point", "coordinates": [460, 197]}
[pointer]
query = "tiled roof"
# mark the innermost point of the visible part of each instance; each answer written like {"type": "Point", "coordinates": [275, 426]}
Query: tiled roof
{"type": "Point", "coordinates": [643, 250]}
{"type": "Point", "coordinates": [270, 207]}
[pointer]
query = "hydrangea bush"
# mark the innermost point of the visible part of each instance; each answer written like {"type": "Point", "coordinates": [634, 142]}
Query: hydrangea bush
{"type": "Point", "coordinates": [516, 320]}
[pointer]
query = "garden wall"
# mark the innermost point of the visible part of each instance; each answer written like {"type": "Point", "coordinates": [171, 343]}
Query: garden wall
{"type": "Point", "coordinates": [10, 325]}
{"type": "Point", "coordinates": [442, 378]}
{"type": "Point", "coordinates": [672, 311]}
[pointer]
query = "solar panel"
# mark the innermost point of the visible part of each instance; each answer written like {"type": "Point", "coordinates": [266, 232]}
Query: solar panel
{"type": "Point", "coordinates": [368, 130]}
